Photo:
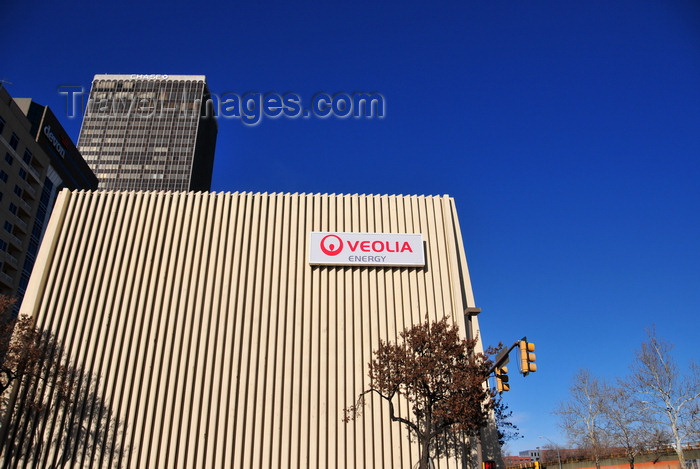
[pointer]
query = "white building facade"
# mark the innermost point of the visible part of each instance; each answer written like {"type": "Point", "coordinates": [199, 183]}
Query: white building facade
{"type": "Point", "coordinates": [211, 339]}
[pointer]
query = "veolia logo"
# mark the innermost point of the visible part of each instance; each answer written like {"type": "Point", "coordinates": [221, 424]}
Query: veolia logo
{"type": "Point", "coordinates": [371, 249]}
{"type": "Point", "coordinates": [328, 245]}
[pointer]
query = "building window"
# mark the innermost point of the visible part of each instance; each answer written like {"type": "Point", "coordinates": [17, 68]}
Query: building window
{"type": "Point", "coordinates": [3, 245]}
{"type": "Point", "coordinates": [8, 226]}
{"type": "Point", "coordinates": [2, 124]}
{"type": "Point", "coordinates": [14, 141]}
{"type": "Point", "coordinates": [13, 209]}
{"type": "Point", "coordinates": [36, 230]}
{"type": "Point", "coordinates": [27, 157]}
{"type": "Point", "coordinates": [18, 191]}
{"type": "Point", "coordinates": [22, 173]}
{"type": "Point", "coordinates": [9, 158]}
{"type": "Point", "coordinates": [3, 176]}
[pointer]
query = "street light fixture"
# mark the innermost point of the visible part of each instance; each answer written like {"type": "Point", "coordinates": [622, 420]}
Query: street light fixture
{"type": "Point", "coordinates": [555, 447]}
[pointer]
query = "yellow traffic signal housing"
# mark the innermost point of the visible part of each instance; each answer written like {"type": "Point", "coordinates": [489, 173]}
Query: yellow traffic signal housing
{"type": "Point", "coordinates": [502, 379]}
{"type": "Point", "coordinates": [527, 357]}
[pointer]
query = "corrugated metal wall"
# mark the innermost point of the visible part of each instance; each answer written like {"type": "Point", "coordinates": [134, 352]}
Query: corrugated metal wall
{"type": "Point", "coordinates": [211, 341]}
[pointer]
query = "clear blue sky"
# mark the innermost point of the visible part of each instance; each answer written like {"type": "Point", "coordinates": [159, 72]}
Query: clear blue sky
{"type": "Point", "coordinates": [568, 132]}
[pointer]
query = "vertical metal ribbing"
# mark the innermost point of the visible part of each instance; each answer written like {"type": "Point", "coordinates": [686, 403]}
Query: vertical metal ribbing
{"type": "Point", "coordinates": [160, 295]}
{"type": "Point", "coordinates": [259, 315]}
{"type": "Point", "coordinates": [96, 412]}
{"type": "Point", "coordinates": [273, 292]}
{"type": "Point", "coordinates": [215, 342]}
{"type": "Point", "coordinates": [215, 312]}
{"type": "Point", "coordinates": [137, 339]}
{"type": "Point", "coordinates": [284, 318]}
{"type": "Point", "coordinates": [234, 318]}
{"type": "Point", "coordinates": [293, 358]}
{"type": "Point", "coordinates": [246, 278]}
{"type": "Point", "coordinates": [193, 329]}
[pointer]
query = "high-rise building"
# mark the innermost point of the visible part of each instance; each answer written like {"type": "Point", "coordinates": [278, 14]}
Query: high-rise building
{"type": "Point", "coordinates": [39, 160]}
{"type": "Point", "coordinates": [149, 132]}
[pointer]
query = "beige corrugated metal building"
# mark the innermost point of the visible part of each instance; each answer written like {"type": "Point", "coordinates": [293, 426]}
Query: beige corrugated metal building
{"type": "Point", "coordinates": [211, 341]}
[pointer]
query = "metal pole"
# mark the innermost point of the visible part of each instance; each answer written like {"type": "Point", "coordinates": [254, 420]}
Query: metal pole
{"type": "Point", "coordinates": [555, 447]}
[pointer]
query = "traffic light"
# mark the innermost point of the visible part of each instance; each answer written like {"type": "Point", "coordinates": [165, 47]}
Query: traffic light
{"type": "Point", "coordinates": [502, 379]}
{"type": "Point", "coordinates": [527, 357]}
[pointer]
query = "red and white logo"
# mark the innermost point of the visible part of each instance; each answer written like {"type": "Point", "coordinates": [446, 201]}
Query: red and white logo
{"type": "Point", "coordinates": [331, 245]}
{"type": "Point", "coordinates": [377, 249]}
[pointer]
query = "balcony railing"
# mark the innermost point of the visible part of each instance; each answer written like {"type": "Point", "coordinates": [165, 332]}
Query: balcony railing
{"type": "Point", "coordinates": [9, 259]}
{"type": "Point", "coordinates": [6, 279]}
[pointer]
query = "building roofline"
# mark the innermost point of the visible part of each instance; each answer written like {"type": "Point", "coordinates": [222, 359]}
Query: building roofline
{"type": "Point", "coordinates": [141, 76]}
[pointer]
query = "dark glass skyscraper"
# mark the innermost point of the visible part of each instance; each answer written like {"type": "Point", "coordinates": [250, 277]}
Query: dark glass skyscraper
{"type": "Point", "coordinates": [149, 132]}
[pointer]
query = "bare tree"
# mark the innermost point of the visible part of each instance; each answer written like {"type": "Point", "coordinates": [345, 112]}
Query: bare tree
{"type": "Point", "coordinates": [658, 440]}
{"type": "Point", "coordinates": [670, 397]}
{"type": "Point", "coordinates": [581, 417]}
{"type": "Point", "coordinates": [52, 413]}
{"type": "Point", "coordinates": [441, 377]}
{"type": "Point", "coordinates": [550, 454]}
{"type": "Point", "coordinates": [27, 352]}
{"type": "Point", "coordinates": [622, 414]}
{"type": "Point", "coordinates": [505, 428]}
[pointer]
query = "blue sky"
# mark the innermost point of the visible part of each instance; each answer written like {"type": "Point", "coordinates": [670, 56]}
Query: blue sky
{"type": "Point", "coordinates": [568, 133]}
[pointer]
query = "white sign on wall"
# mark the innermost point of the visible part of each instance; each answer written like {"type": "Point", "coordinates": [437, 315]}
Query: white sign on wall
{"type": "Point", "coordinates": [376, 249]}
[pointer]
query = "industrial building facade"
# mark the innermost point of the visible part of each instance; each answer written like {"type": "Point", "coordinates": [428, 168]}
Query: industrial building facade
{"type": "Point", "coordinates": [149, 132]}
{"type": "Point", "coordinates": [213, 341]}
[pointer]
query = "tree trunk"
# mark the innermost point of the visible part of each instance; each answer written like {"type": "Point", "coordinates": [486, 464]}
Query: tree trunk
{"type": "Point", "coordinates": [681, 456]}
{"type": "Point", "coordinates": [678, 444]}
{"type": "Point", "coordinates": [425, 454]}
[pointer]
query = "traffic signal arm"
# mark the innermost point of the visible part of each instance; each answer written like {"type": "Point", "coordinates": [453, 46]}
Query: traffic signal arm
{"type": "Point", "coordinates": [526, 362]}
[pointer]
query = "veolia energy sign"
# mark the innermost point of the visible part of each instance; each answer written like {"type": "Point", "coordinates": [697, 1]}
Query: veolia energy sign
{"type": "Point", "coordinates": [376, 249]}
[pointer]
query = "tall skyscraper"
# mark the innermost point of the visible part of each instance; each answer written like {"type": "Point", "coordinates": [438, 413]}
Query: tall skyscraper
{"type": "Point", "coordinates": [149, 132]}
